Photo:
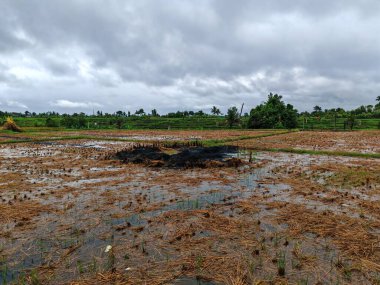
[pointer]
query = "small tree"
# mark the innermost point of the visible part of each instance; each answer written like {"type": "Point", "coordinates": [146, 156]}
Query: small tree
{"type": "Point", "coordinates": [154, 113]}
{"type": "Point", "coordinates": [317, 111]}
{"type": "Point", "coordinates": [351, 121]}
{"type": "Point", "coordinates": [215, 111]}
{"type": "Point", "coordinates": [68, 122]}
{"type": "Point", "coordinates": [232, 116]}
{"type": "Point", "coordinates": [50, 123]}
{"type": "Point", "coordinates": [81, 123]}
{"type": "Point", "coordinates": [119, 123]}
{"type": "Point", "coordinates": [199, 113]}
{"type": "Point", "coordinates": [140, 112]}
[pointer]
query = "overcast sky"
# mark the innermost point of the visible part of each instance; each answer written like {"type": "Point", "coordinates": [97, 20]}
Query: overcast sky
{"type": "Point", "coordinates": [80, 55]}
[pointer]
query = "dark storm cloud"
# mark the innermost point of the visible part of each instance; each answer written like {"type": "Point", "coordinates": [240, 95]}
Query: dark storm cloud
{"type": "Point", "coordinates": [188, 53]}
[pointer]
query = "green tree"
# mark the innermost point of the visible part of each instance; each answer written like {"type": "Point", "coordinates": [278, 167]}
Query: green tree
{"type": "Point", "coordinates": [199, 113]}
{"type": "Point", "coordinates": [215, 111]}
{"type": "Point", "coordinates": [68, 122]}
{"type": "Point", "coordinates": [273, 114]}
{"type": "Point", "coordinates": [50, 123]}
{"type": "Point", "coordinates": [350, 122]}
{"type": "Point", "coordinates": [119, 123]}
{"type": "Point", "coordinates": [317, 111]}
{"type": "Point", "coordinates": [82, 122]}
{"type": "Point", "coordinates": [232, 116]}
{"type": "Point", "coordinates": [154, 113]}
{"type": "Point", "coordinates": [140, 112]}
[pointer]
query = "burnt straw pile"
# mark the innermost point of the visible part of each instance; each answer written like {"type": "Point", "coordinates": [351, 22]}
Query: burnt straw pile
{"type": "Point", "coordinates": [184, 157]}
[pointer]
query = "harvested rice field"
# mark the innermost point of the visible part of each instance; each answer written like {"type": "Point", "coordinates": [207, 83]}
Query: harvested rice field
{"type": "Point", "coordinates": [358, 141]}
{"type": "Point", "coordinates": [150, 211]}
{"type": "Point", "coordinates": [136, 135]}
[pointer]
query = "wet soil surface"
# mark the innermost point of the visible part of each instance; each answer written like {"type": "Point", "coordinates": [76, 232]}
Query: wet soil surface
{"type": "Point", "coordinates": [356, 141]}
{"type": "Point", "coordinates": [69, 214]}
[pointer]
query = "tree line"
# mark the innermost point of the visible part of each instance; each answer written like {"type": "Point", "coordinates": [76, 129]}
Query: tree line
{"type": "Point", "coordinates": [273, 113]}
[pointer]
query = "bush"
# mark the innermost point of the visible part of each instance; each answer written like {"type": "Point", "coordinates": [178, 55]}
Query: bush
{"type": "Point", "coordinates": [51, 123]}
{"type": "Point", "coordinates": [74, 122]}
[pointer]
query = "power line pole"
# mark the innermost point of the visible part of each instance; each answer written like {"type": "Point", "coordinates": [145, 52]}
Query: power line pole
{"type": "Point", "coordinates": [241, 110]}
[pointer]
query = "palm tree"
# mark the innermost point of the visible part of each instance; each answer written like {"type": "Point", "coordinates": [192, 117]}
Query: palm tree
{"type": "Point", "coordinates": [378, 98]}
{"type": "Point", "coordinates": [215, 111]}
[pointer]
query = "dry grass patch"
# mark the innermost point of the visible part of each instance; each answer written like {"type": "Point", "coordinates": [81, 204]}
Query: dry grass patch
{"type": "Point", "coordinates": [357, 239]}
{"type": "Point", "coordinates": [357, 141]}
{"type": "Point", "coordinates": [21, 211]}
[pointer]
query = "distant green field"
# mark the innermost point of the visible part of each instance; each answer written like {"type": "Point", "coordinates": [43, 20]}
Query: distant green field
{"type": "Point", "coordinates": [139, 122]}
{"type": "Point", "coordinates": [329, 124]}
{"type": "Point", "coordinates": [194, 122]}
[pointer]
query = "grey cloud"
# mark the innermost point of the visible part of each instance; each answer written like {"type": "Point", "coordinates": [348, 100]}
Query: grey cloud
{"type": "Point", "coordinates": [70, 104]}
{"type": "Point", "coordinates": [60, 67]}
{"type": "Point", "coordinates": [191, 52]}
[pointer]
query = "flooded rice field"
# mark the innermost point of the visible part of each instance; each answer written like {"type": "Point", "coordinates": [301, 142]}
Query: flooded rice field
{"type": "Point", "coordinates": [74, 212]}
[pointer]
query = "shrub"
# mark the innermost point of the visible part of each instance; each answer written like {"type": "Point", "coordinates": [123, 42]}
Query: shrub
{"type": "Point", "coordinates": [51, 123]}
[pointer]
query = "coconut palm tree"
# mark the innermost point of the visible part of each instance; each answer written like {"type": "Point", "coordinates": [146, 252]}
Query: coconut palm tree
{"type": "Point", "coordinates": [215, 111]}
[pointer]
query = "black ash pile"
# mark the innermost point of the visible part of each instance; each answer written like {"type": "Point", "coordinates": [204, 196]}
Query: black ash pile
{"type": "Point", "coordinates": [183, 157]}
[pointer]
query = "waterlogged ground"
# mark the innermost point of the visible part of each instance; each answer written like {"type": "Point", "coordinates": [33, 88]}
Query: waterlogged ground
{"type": "Point", "coordinates": [34, 134]}
{"type": "Point", "coordinates": [71, 214]}
{"type": "Point", "coordinates": [358, 141]}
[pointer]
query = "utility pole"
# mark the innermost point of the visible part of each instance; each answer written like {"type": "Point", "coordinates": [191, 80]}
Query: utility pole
{"type": "Point", "coordinates": [241, 110]}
